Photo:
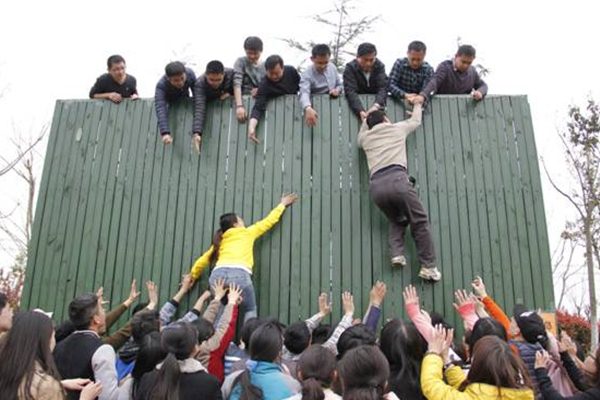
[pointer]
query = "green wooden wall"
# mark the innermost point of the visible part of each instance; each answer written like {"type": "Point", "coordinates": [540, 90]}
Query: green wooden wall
{"type": "Point", "coordinates": [116, 204]}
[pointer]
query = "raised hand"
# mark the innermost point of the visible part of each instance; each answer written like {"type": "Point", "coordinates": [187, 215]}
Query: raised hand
{"type": "Point", "coordinates": [377, 294]}
{"type": "Point", "coordinates": [219, 289]}
{"type": "Point", "coordinates": [479, 287]}
{"type": "Point", "coordinates": [235, 294]}
{"type": "Point", "coordinates": [133, 294]}
{"type": "Point", "coordinates": [348, 303]}
{"type": "Point", "coordinates": [152, 295]}
{"type": "Point", "coordinates": [410, 295]}
{"type": "Point", "coordinates": [324, 304]}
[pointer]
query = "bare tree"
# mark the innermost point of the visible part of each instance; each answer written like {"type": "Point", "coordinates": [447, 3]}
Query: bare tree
{"type": "Point", "coordinates": [581, 144]}
{"type": "Point", "coordinates": [563, 267]}
{"type": "Point", "coordinates": [345, 31]}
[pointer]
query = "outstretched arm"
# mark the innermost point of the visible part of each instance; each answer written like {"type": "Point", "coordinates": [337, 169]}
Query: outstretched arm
{"type": "Point", "coordinates": [261, 227]}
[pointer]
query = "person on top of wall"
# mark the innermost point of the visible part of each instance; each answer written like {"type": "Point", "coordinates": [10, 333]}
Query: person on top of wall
{"type": "Point", "coordinates": [365, 75]}
{"type": "Point", "coordinates": [215, 83]}
{"type": "Point", "coordinates": [410, 74]}
{"type": "Point", "coordinates": [232, 252]}
{"type": "Point", "coordinates": [248, 72]}
{"type": "Point", "coordinates": [280, 79]}
{"type": "Point", "coordinates": [384, 145]}
{"type": "Point", "coordinates": [116, 84]}
{"type": "Point", "coordinates": [322, 77]}
{"type": "Point", "coordinates": [172, 87]}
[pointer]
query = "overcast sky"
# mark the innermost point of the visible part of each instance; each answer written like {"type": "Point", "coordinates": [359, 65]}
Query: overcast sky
{"type": "Point", "coordinates": [55, 50]}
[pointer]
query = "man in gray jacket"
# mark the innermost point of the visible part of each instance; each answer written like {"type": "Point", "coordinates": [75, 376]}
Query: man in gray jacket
{"type": "Point", "coordinates": [384, 145]}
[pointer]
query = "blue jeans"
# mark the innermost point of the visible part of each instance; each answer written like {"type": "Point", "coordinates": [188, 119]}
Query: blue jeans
{"type": "Point", "coordinates": [244, 280]}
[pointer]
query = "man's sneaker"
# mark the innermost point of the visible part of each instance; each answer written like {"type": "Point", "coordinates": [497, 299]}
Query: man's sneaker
{"type": "Point", "coordinates": [399, 261]}
{"type": "Point", "coordinates": [430, 274]}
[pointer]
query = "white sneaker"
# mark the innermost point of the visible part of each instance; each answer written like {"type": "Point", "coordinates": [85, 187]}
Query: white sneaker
{"type": "Point", "coordinates": [399, 261]}
{"type": "Point", "coordinates": [430, 274]}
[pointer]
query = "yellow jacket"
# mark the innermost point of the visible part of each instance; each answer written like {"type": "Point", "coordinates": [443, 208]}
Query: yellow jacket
{"type": "Point", "coordinates": [434, 387]}
{"type": "Point", "coordinates": [237, 245]}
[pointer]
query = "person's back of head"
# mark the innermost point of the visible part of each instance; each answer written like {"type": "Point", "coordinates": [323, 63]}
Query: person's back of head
{"type": "Point", "coordinates": [355, 336]}
{"type": "Point", "coordinates": [296, 337]}
{"type": "Point", "coordinates": [316, 371]}
{"type": "Point", "coordinates": [204, 328]}
{"type": "Point", "coordinates": [364, 372]}
{"type": "Point", "coordinates": [149, 355]}
{"type": "Point", "coordinates": [82, 310]}
{"type": "Point", "coordinates": [250, 325]}
{"type": "Point", "coordinates": [253, 43]}
{"type": "Point", "coordinates": [485, 327]}
{"type": "Point", "coordinates": [466, 50]}
{"type": "Point", "coordinates": [178, 341]}
{"type": "Point", "coordinates": [273, 61]}
{"type": "Point", "coordinates": [438, 319]}
{"type": "Point", "coordinates": [6, 313]}
{"type": "Point", "coordinates": [494, 363]}
{"type": "Point", "coordinates": [375, 118]}
{"type": "Point", "coordinates": [531, 326]}
{"type": "Point", "coordinates": [174, 68]}
{"type": "Point", "coordinates": [144, 323]}
{"type": "Point", "coordinates": [404, 348]}
{"type": "Point", "coordinates": [321, 333]}
{"type": "Point", "coordinates": [226, 222]}
{"type": "Point", "coordinates": [28, 343]}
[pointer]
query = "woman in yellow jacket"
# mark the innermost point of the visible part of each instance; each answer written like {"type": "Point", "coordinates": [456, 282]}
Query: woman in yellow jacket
{"type": "Point", "coordinates": [496, 372]}
{"type": "Point", "coordinates": [232, 252]}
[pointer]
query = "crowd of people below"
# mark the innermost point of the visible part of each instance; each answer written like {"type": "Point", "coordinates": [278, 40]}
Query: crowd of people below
{"type": "Point", "coordinates": [202, 355]}
{"type": "Point", "coordinates": [411, 79]}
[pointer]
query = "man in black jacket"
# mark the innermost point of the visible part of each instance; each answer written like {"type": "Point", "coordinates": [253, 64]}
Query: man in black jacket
{"type": "Point", "coordinates": [280, 79]}
{"type": "Point", "coordinates": [171, 88]}
{"type": "Point", "coordinates": [365, 75]}
{"type": "Point", "coordinates": [216, 83]}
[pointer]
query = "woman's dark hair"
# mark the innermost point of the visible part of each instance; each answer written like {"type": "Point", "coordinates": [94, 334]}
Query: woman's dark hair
{"type": "Point", "coordinates": [321, 333]}
{"type": "Point", "coordinates": [364, 371]}
{"type": "Point", "coordinates": [494, 363]}
{"type": "Point", "coordinates": [437, 319]}
{"type": "Point", "coordinates": [204, 328]}
{"type": "Point", "coordinates": [26, 343]}
{"type": "Point", "coordinates": [250, 325]}
{"type": "Point", "coordinates": [355, 336]}
{"type": "Point", "coordinates": [177, 341]}
{"type": "Point", "coordinates": [404, 348]}
{"type": "Point", "coordinates": [316, 370]}
{"type": "Point", "coordinates": [144, 323]}
{"type": "Point", "coordinates": [485, 327]}
{"type": "Point", "coordinates": [149, 355]}
{"type": "Point", "coordinates": [265, 345]}
{"type": "Point", "coordinates": [226, 221]}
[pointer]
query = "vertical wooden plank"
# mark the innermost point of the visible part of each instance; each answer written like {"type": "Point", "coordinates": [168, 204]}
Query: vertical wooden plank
{"type": "Point", "coordinates": [335, 190]}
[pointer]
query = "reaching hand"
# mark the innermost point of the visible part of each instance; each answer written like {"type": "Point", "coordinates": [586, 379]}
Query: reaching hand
{"type": "Point", "coordinates": [441, 341]}
{"type": "Point", "coordinates": [152, 295]}
{"type": "Point", "coordinates": [219, 289]}
{"type": "Point", "coordinates": [477, 95]}
{"type": "Point", "coordinates": [167, 139]}
{"type": "Point", "coordinates": [479, 287]}
{"type": "Point", "coordinates": [542, 359]}
{"type": "Point", "coordinates": [410, 295]}
{"type": "Point", "coordinates": [91, 391]}
{"type": "Point", "coordinates": [348, 303]}
{"type": "Point", "coordinates": [133, 294]}
{"type": "Point", "coordinates": [252, 136]}
{"type": "Point", "coordinates": [288, 199]}
{"type": "Point", "coordinates": [74, 384]}
{"type": "Point", "coordinates": [335, 92]}
{"type": "Point", "coordinates": [377, 293]}
{"type": "Point", "coordinates": [197, 142]}
{"type": "Point", "coordinates": [463, 300]}
{"type": "Point", "coordinates": [187, 282]}
{"type": "Point", "coordinates": [100, 292]}
{"type": "Point", "coordinates": [567, 344]}
{"type": "Point", "coordinates": [240, 114]}
{"type": "Point", "coordinates": [115, 97]}
{"type": "Point", "coordinates": [310, 116]}
{"type": "Point", "coordinates": [324, 304]}
{"type": "Point", "coordinates": [235, 294]}
{"type": "Point", "coordinates": [363, 115]}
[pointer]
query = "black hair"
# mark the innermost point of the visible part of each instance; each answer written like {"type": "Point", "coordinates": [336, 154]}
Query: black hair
{"type": "Point", "coordinates": [321, 333]}
{"type": "Point", "coordinates": [296, 337]}
{"type": "Point", "coordinates": [404, 348]}
{"type": "Point", "coordinates": [174, 68]}
{"type": "Point", "coordinates": [316, 370]}
{"type": "Point", "coordinates": [417, 45]}
{"type": "Point", "coordinates": [204, 328]}
{"type": "Point", "coordinates": [485, 327]}
{"type": "Point", "coordinates": [273, 61]}
{"type": "Point", "coordinates": [114, 59]}
{"type": "Point", "coordinates": [438, 319]}
{"type": "Point", "coordinates": [215, 67]}
{"type": "Point", "coordinates": [364, 372]}
{"type": "Point", "coordinates": [253, 43]}
{"type": "Point", "coordinates": [149, 355]}
{"type": "Point", "coordinates": [226, 221]}
{"type": "Point", "coordinates": [355, 336]}
{"type": "Point", "coordinates": [139, 307]}
{"type": "Point", "coordinates": [144, 323]}
{"type": "Point", "coordinates": [265, 345]}
{"type": "Point", "coordinates": [64, 330]}
{"type": "Point", "coordinates": [178, 341]}
{"type": "Point", "coordinates": [250, 325]}
{"type": "Point", "coordinates": [366, 48]}
{"type": "Point", "coordinates": [375, 118]}
{"type": "Point", "coordinates": [3, 301]}
{"type": "Point", "coordinates": [319, 50]}
{"type": "Point", "coordinates": [82, 309]}
{"type": "Point", "coordinates": [25, 345]}
{"type": "Point", "coordinates": [466, 50]}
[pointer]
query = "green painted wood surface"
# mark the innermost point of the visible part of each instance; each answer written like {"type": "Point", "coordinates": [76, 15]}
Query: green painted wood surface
{"type": "Point", "coordinates": [115, 204]}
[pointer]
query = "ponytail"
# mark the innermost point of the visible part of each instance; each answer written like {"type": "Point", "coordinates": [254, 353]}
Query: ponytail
{"type": "Point", "coordinates": [226, 221]}
{"type": "Point", "coordinates": [167, 381]}
{"type": "Point", "coordinates": [248, 390]}
{"type": "Point", "coordinates": [312, 389]}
